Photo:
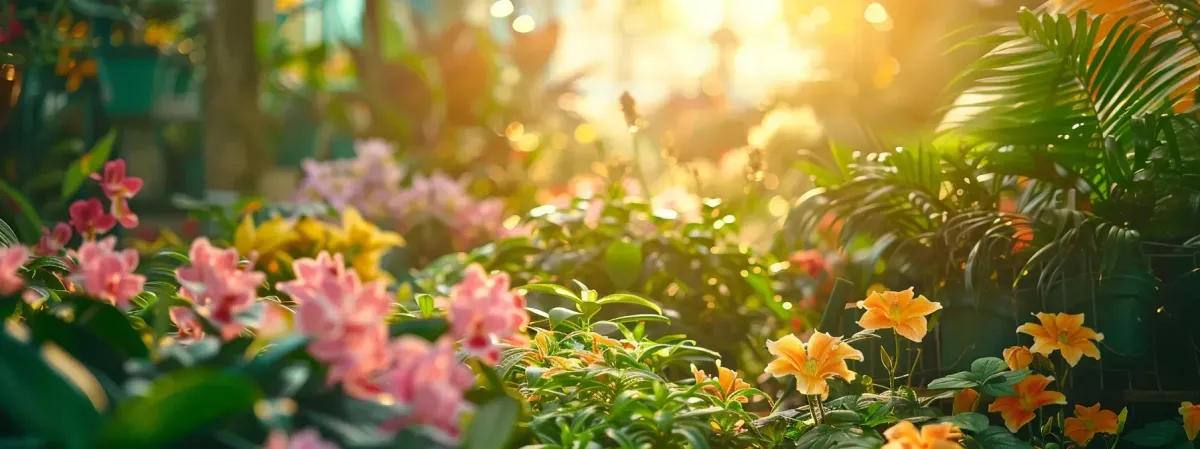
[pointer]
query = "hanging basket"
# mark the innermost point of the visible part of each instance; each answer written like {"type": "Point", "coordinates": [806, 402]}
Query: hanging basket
{"type": "Point", "coordinates": [134, 78]}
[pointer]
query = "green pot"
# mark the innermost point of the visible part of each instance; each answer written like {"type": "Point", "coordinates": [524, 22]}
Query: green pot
{"type": "Point", "coordinates": [968, 333]}
{"type": "Point", "coordinates": [132, 78]}
{"type": "Point", "coordinates": [1123, 309]}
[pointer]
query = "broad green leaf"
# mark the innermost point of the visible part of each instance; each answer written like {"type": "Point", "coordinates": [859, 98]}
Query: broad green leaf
{"type": "Point", "coordinates": [835, 417]}
{"type": "Point", "coordinates": [108, 323]}
{"type": "Point", "coordinates": [1001, 384]}
{"type": "Point", "coordinates": [641, 318]}
{"type": "Point", "coordinates": [1000, 438]}
{"type": "Point", "coordinates": [45, 392]}
{"type": "Point", "coordinates": [554, 289]}
{"type": "Point", "coordinates": [623, 263]}
{"type": "Point", "coordinates": [559, 315]}
{"type": "Point", "coordinates": [988, 367]}
{"type": "Point", "coordinates": [973, 422]}
{"type": "Point", "coordinates": [1158, 434]}
{"type": "Point", "coordinates": [176, 405]}
{"type": "Point", "coordinates": [425, 302]}
{"type": "Point", "coordinates": [956, 381]}
{"type": "Point", "coordinates": [629, 299]}
{"type": "Point", "coordinates": [89, 163]}
{"type": "Point", "coordinates": [7, 236]}
{"type": "Point", "coordinates": [493, 423]}
{"type": "Point", "coordinates": [27, 211]}
{"type": "Point", "coordinates": [428, 328]}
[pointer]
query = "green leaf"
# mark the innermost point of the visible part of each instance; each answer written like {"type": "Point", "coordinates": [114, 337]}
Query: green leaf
{"type": "Point", "coordinates": [42, 400]}
{"type": "Point", "coordinates": [1001, 384]}
{"type": "Point", "coordinates": [7, 236]}
{"type": "Point", "coordinates": [988, 366]}
{"type": "Point", "coordinates": [625, 298]}
{"type": "Point", "coordinates": [425, 302]}
{"type": "Point", "coordinates": [493, 423]}
{"type": "Point", "coordinates": [651, 318]}
{"type": "Point", "coordinates": [176, 405]}
{"type": "Point", "coordinates": [835, 417]}
{"type": "Point", "coordinates": [1158, 434]}
{"type": "Point", "coordinates": [89, 163]}
{"type": "Point", "coordinates": [956, 381]}
{"type": "Point", "coordinates": [108, 323]}
{"type": "Point", "coordinates": [27, 210]}
{"type": "Point", "coordinates": [973, 422]}
{"type": "Point", "coordinates": [428, 328]}
{"type": "Point", "coordinates": [695, 437]}
{"type": "Point", "coordinates": [1000, 438]}
{"type": "Point", "coordinates": [623, 263]}
{"type": "Point", "coordinates": [95, 8]}
{"type": "Point", "coordinates": [553, 289]}
{"type": "Point", "coordinates": [560, 314]}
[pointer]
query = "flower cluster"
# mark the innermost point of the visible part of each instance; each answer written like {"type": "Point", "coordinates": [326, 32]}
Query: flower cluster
{"type": "Point", "coordinates": [367, 182]}
{"type": "Point", "coordinates": [429, 380]}
{"type": "Point", "coordinates": [11, 260]}
{"type": "Point", "coordinates": [441, 199]}
{"type": "Point", "coordinates": [88, 216]}
{"type": "Point", "coordinates": [107, 274]}
{"type": "Point", "coordinates": [219, 288]}
{"type": "Point", "coordinates": [345, 318]}
{"type": "Point", "coordinates": [483, 311]}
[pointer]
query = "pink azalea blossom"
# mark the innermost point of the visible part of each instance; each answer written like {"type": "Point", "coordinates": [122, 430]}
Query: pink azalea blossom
{"type": "Point", "coordinates": [368, 182]}
{"type": "Point", "coordinates": [437, 195]}
{"type": "Point", "coordinates": [88, 217]}
{"type": "Point", "coordinates": [345, 318]}
{"type": "Point", "coordinates": [304, 439]}
{"type": "Point", "coordinates": [107, 274]}
{"type": "Point", "coordinates": [11, 260]}
{"type": "Point", "coordinates": [220, 290]}
{"type": "Point", "coordinates": [187, 322]}
{"type": "Point", "coordinates": [119, 189]}
{"type": "Point", "coordinates": [483, 311]}
{"type": "Point", "coordinates": [51, 242]}
{"type": "Point", "coordinates": [427, 379]}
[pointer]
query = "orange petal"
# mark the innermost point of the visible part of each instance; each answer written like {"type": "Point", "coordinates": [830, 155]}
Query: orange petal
{"type": "Point", "coordinates": [820, 346]}
{"type": "Point", "coordinates": [902, 430]}
{"type": "Point", "coordinates": [875, 319]}
{"type": "Point", "coordinates": [1105, 421]}
{"type": "Point", "coordinates": [1049, 323]}
{"type": "Point", "coordinates": [1068, 323]}
{"type": "Point", "coordinates": [1076, 429]}
{"type": "Point", "coordinates": [1018, 357]}
{"type": "Point", "coordinates": [1089, 349]}
{"type": "Point", "coordinates": [1010, 410]}
{"type": "Point", "coordinates": [782, 367]}
{"type": "Point", "coordinates": [1072, 354]}
{"type": "Point", "coordinates": [913, 328]}
{"type": "Point", "coordinates": [873, 301]}
{"type": "Point", "coordinates": [1035, 330]}
{"type": "Point", "coordinates": [788, 347]}
{"type": "Point", "coordinates": [811, 385]}
{"type": "Point", "coordinates": [964, 401]}
{"type": "Point", "coordinates": [921, 307]}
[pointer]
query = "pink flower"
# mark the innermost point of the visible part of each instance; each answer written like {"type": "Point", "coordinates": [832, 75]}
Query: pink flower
{"type": "Point", "coordinates": [345, 317]}
{"type": "Point", "coordinates": [107, 274]}
{"type": "Point", "coordinates": [11, 260]}
{"type": "Point", "coordinates": [483, 311]}
{"type": "Point", "coordinates": [52, 242]}
{"type": "Point", "coordinates": [88, 217]}
{"type": "Point", "coordinates": [681, 201]}
{"type": "Point", "coordinates": [428, 379]}
{"type": "Point", "coordinates": [437, 195]}
{"type": "Point", "coordinates": [304, 439]}
{"type": "Point", "coordinates": [119, 189]}
{"type": "Point", "coordinates": [188, 324]}
{"type": "Point", "coordinates": [220, 290]}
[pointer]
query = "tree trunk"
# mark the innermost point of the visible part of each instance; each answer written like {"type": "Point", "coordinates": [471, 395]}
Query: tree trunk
{"type": "Point", "coordinates": [236, 148]}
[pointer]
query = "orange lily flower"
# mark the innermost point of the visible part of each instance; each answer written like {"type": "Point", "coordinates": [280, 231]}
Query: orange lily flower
{"type": "Point", "coordinates": [904, 435]}
{"type": "Point", "coordinates": [1191, 419]}
{"type": "Point", "coordinates": [898, 311]}
{"type": "Point", "coordinates": [1031, 395]}
{"type": "Point", "coordinates": [729, 381]}
{"type": "Point", "coordinates": [1063, 332]}
{"type": "Point", "coordinates": [1089, 421]}
{"type": "Point", "coordinates": [823, 357]}
{"type": "Point", "coordinates": [964, 401]}
{"type": "Point", "coordinates": [1018, 357]}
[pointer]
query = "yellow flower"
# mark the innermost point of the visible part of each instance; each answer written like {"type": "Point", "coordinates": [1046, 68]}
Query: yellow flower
{"type": "Point", "coordinates": [363, 244]}
{"type": "Point", "coordinates": [898, 311]}
{"type": "Point", "coordinates": [312, 233]}
{"type": "Point", "coordinates": [728, 380]}
{"type": "Point", "coordinates": [823, 357]}
{"type": "Point", "coordinates": [1031, 395]}
{"type": "Point", "coordinates": [263, 243]}
{"type": "Point", "coordinates": [73, 69]}
{"type": "Point", "coordinates": [904, 435]}
{"type": "Point", "coordinates": [964, 401]}
{"type": "Point", "coordinates": [1191, 419]}
{"type": "Point", "coordinates": [166, 240]}
{"type": "Point", "coordinates": [1018, 357]}
{"type": "Point", "coordinates": [1089, 421]}
{"type": "Point", "coordinates": [1063, 332]}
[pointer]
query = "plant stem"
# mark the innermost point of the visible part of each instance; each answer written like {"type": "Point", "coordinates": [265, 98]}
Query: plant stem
{"type": "Point", "coordinates": [912, 367]}
{"type": "Point", "coordinates": [637, 164]}
{"type": "Point", "coordinates": [896, 359]}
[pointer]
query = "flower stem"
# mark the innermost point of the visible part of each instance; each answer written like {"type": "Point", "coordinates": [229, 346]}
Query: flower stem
{"type": "Point", "coordinates": [895, 359]}
{"type": "Point", "coordinates": [912, 367]}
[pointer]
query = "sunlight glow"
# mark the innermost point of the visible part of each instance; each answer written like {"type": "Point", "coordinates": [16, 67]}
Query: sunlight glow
{"type": "Point", "coordinates": [701, 15]}
{"type": "Point", "coordinates": [502, 8]}
{"type": "Point", "coordinates": [523, 24]}
{"type": "Point", "coordinates": [876, 13]}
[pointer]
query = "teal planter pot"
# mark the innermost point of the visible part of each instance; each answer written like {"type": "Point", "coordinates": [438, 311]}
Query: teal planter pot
{"type": "Point", "coordinates": [134, 78]}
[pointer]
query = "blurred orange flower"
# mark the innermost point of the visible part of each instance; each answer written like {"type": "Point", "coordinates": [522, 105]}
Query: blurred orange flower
{"type": "Point", "coordinates": [74, 70]}
{"type": "Point", "coordinates": [898, 311]}
{"type": "Point", "coordinates": [1089, 421]}
{"type": "Point", "coordinates": [729, 382]}
{"type": "Point", "coordinates": [1031, 395]}
{"type": "Point", "coordinates": [904, 435]}
{"type": "Point", "coordinates": [1063, 332]}
{"type": "Point", "coordinates": [809, 262]}
{"type": "Point", "coordinates": [823, 357]}
{"type": "Point", "coordinates": [964, 401]}
{"type": "Point", "coordinates": [1191, 419]}
{"type": "Point", "coordinates": [1018, 357]}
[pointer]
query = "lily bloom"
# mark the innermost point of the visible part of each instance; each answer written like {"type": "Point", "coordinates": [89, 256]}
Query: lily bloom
{"type": "Point", "coordinates": [1063, 332]}
{"type": "Point", "coordinates": [1031, 395]}
{"type": "Point", "coordinates": [51, 242]}
{"type": "Point", "coordinates": [483, 310]}
{"type": "Point", "coordinates": [964, 401]}
{"type": "Point", "coordinates": [108, 274]}
{"type": "Point", "coordinates": [88, 217]}
{"type": "Point", "coordinates": [260, 244]}
{"type": "Point", "coordinates": [11, 260]}
{"type": "Point", "coordinates": [1089, 421]}
{"type": "Point", "coordinates": [119, 189]}
{"type": "Point", "coordinates": [364, 242]}
{"type": "Point", "coordinates": [1018, 357]}
{"type": "Point", "coordinates": [187, 322]}
{"type": "Point", "coordinates": [220, 290]}
{"type": "Point", "coordinates": [304, 439]}
{"type": "Point", "coordinates": [904, 435]}
{"type": "Point", "coordinates": [898, 311]}
{"type": "Point", "coordinates": [823, 357]}
{"type": "Point", "coordinates": [428, 379]}
{"type": "Point", "coordinates": [728, 380]}
{"type": "Point", "coordinates": [1191, 419]}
